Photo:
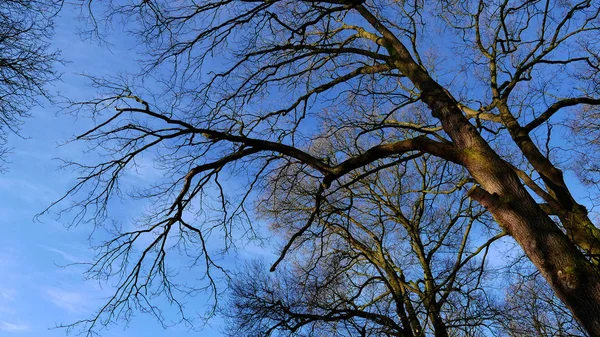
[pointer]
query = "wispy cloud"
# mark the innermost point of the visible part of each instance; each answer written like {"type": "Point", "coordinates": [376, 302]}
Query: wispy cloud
{"type": "Point", "coordinates": [23, 190]}
{"type": "Point", "coordinates": [7, 294]}
{"type": "Point", "coordinates": [251, 251]}
{"type": "Point", "coordinates": [71, 301]}
{"type": "Point", "coordinates": [68, 257]}
{"type": "Point", "coordinates": [10, 327]}
{"type": "Point", "coordinates": [7, 257]}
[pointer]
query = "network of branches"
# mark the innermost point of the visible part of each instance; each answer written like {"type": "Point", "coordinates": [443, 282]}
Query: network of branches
{"type": "Point", "coordinates": [26, 59]}
{"type": "Point", "coordinates": [389, 144]}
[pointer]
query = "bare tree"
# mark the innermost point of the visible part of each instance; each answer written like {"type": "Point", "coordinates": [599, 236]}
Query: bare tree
{"type": "Point", "coordinates": [532, 309]}
{"type": "Point", "coordinates": [26, 59]}
{"type": "Point", "coordinates": [482, 86]}
{"type": "Point", "coordinates": [384, 260]}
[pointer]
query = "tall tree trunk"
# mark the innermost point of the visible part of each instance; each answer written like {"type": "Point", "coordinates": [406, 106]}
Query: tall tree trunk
{"type": "Point", "coordinates": [574, 279]}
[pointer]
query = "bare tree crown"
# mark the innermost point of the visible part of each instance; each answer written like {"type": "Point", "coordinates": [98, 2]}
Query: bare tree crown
{"type": "Point", "coordinates": [260, 107]}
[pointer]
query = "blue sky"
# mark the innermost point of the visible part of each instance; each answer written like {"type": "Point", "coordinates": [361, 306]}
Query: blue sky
{"type": "Point", "coordinates": [36, 291]}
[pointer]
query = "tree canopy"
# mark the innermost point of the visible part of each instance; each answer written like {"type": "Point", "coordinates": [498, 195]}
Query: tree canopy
{"type": "Point", "coordinates": [388, 143]}
{"type": "Point", "coordinates": [26, 58]}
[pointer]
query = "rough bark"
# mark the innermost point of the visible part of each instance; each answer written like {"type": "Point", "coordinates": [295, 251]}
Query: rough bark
{"type": "Point", "coordinates": [573, 278]}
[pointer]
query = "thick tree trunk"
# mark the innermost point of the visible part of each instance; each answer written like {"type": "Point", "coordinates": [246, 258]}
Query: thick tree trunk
{"type": "Point", "coordinates": [573, 278]}
{"type": "Point", "coordinates": [573, 216]}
